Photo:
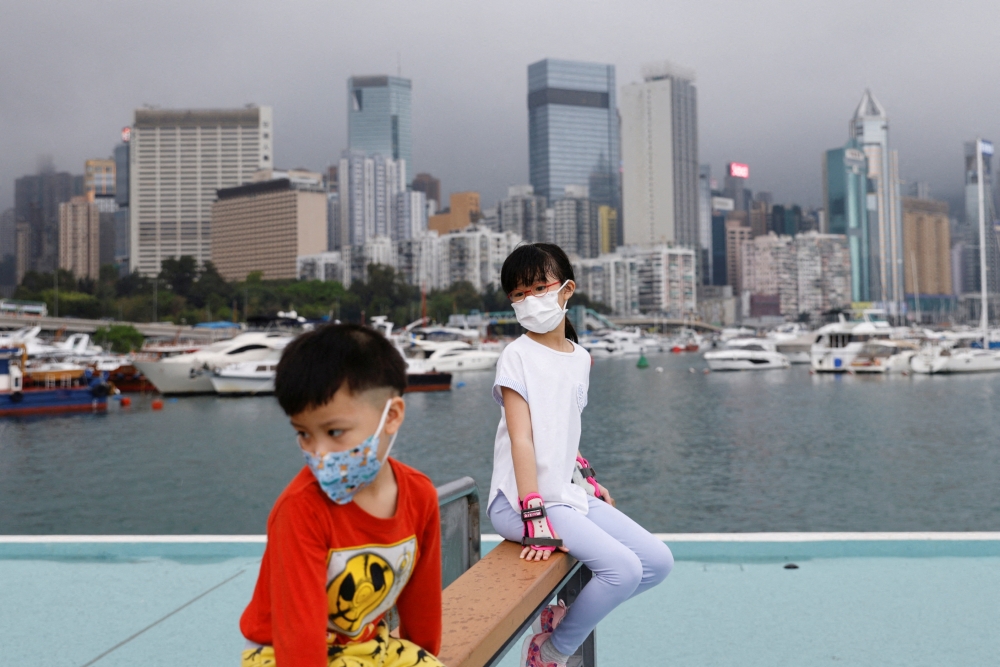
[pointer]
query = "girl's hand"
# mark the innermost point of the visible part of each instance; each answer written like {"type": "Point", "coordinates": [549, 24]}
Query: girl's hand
{"type": "Point", "coordinates": [527, 553]}
{"type": "Point", "coordinates": [606, 495]}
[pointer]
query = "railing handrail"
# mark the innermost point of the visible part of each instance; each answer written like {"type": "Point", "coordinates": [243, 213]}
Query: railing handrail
{"type": "Point", "coordinates": [451, 491]}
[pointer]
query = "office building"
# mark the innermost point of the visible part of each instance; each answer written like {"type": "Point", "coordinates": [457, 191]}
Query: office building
{"type": "Point", "coordinates": [123, 242]}
{"type": "Point", "coordinates": [523, 213]}
{"type": "Point", "coordinates": [926, 247]}
{"type": "Point", "coordinates": [266, 224]}
{"type": "Point", "coordinates": [178, 160]}
{"type": "Point", "coordinates": [870, 129]}
{"type": "Point", "coordinates": [575, 223]}
{"type": "Point", "coordinates": [368, 189]}
{"type": "Point", "coordinates": [431, 187]}
{"type": "Point", "coordinates": [737, 175]}
{"type": "Point", "coordinates": [464, 211]}
{"type": "Point", "coordinates": [36, 203]}
{"type": "Point", "coordinates": [8, 234]}
{"type": "Point", "coordinates": [79, 237]}
{"type": "Point", "coordinates": [573, 129]}
{"type": "Point", "coordinates": [607, 229]}
{"type": "Point", "coordinates": [845, 200]}
{"type": "Point", "coordinates": [972, 264]}
{"type": "Point", "coordinates": [705, 223]}
{"type": "Point", "coordinates": [720, 207]}
{"type": "Point", "coordinates": [660, 157]}
{"type": "Point", "coordinates": [378, 117]}
{"type": "Point", "coordinates": [611, 279]}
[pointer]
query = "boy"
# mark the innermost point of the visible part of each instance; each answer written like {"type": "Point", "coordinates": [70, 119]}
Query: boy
{"type": "Point", "coordinates": [355, 532]}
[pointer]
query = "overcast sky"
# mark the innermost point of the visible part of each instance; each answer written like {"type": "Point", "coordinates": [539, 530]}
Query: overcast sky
{"type": "Point", "coordinates": [777, 80]}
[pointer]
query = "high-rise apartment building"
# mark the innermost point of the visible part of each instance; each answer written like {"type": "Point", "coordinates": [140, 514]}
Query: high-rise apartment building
{"type": "Point", "coordinates": [123, 243]}
{"type": "Point", "coordinates": [523, 213]}
{"type": "Point", "coordinates": [870, 129]}
{"type": "Point", "coordinates": [573, 136]}
{"type": "Point", "coordinates": [36, 205]}
{"type": "Point", "coordinates": [705, 223]}
{"type": "Point", "coordinates": [79, 237]}
{"type": "Point", "coordinates": [265, 225]}
{"type": "Point", "coordinates": [660, 157]}
{"type": "Point", "coordinates": [378, 117]}
{"type": "Point", "coordinates": [611, 279]}
{"type": "Point", "coordinates": [926, 247]}
{"type": "Point", "coordinates": [845, 197]}
{"type": "Point", "coordinates": [575, 224]}
{"type": "Point", "coordinates": [475, 255]}
{"type": "Point", "coordinates": [178, 160]}
{"type": "Point", "coordinates": [411, 215]}
{"type": "Point", "coordinates": [738, 231]}
{"type": "Point", "coordinates": [368, 190]}
{"type": "Point", "coordinates": [667, 280]}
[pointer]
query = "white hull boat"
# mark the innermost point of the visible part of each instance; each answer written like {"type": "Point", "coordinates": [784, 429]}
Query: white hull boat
{"type": "Point", "coordinates": [837, 345]}
{"type": "Point", "coordinates": [453, 357]}
{"type": "Point", "coordinates": [746, 354]}
{"type": "Point", "coordinates": [936, 360]}
{"type": "Point", "coordinates": [248, 377]}
{"type": "Point", "coordinates": [192, 373]}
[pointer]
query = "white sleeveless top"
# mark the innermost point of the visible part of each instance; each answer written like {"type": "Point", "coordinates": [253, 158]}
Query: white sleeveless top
{"type": "Point", "coordinates": [555, 385]}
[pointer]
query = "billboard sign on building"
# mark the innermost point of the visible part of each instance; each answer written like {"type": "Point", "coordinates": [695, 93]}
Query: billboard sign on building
{"type": "Point", "coordinates": [723, 204]}
{"type": "Point", "coordinates": [126, 134]}
{"type": "Point", "coordinates": [739, 170]}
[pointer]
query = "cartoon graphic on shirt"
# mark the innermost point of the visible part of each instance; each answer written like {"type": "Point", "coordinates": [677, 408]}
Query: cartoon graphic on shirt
{"type": "Point", "coordinates": [364, 582]}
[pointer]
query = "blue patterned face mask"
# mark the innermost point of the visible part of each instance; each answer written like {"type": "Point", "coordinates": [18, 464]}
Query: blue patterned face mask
{"type": "Point", "coordinates": [343, 474]}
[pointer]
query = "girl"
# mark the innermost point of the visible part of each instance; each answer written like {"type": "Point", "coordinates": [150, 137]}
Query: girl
{"type": "Point", "coordinates": [541, 386]}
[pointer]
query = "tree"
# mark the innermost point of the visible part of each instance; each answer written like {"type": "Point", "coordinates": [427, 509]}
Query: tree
{"type": "Point", "coordinates": [121, 338]}
{"type": "Point", "coordinates": [179, 274]}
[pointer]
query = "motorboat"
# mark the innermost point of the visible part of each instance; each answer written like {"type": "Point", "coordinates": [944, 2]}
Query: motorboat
{"type": "Point", "coordinates": [939, 358]}
{"type": "Point", "coordinates": [419, 376]}
{"type": "Point", "coordinates": [191, 373]}
{"type": "Point", "coordinates": [246, 377]}
{"type": "Point", "coordinates": [794, 341]}
{"type": "Point", "coordinates": [883, 356]}
{"type": "Point", "coordinates": [837, 344]}
{"type": "Point", "coordinates": [619, 343]}
{"type": "Point", "coordinates": [746, 354]}
{"type": "Point", "coordinates": [452, 356]}
{"type": "Point", "coordinates": [83, 393]}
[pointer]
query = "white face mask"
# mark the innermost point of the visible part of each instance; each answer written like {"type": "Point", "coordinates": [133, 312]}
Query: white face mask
{"type": "Point", "coordinates": [541, 314]}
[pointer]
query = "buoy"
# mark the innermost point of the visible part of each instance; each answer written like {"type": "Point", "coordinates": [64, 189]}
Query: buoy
{"type": "Point", "coordinates": [791, 566]}
{"type": "Point", "coordinates": [659, 369]}
{"type": "Point", "coordinates": [157, 404]}
{"type": "Point", "coordinates": [643, 362]}
{"type": "Point", "coordinates": [126, 401]}
{"type": "Point", "coordinates": [707, 371]}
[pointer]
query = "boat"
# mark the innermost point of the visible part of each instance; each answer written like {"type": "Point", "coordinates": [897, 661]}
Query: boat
{"type": "Point", "coordinates": [80, 394]}
{"type": "Point", "coordinates": [452, 356]}
{"type": "Point", "coordinates": [883, 356]}
{"type": "Point", "coordinates": [794, 341]}
{"type": "Point", "coordinates": [837, 344]}
{"type": "Point", "coordinates": [746, 354]}
{"type": "Point", "coordinates": [246, 377]}
{"type": "Point", "coordinates": [616, 343]}
{"type": "Point", "coordinates": [419, 376]}
{"type": "Point", "coordinates": [191, 373]}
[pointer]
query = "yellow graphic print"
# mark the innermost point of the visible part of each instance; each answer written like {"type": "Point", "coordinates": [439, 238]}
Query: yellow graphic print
{"type": "Point", "coordinates": [363, 583]}
{"type": "Point", "coordinates": [380, 651]}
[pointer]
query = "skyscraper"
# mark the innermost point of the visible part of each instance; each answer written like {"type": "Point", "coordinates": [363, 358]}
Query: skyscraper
{"type": "Point", "coordinates": [79, 237]}
{"type": "Point", "coordinates": [660, 157]}
{"type": "Point", "coordinates": [178, 159]}
{"type": "Point", "coordinates": [705, 223]}
{"type": "Point", "coordinates": [972, 283]}
{"type": "Point", "coordinates": [36, 204]}
{"type": "Point", "coordinates": [573, 129]}
{"type": "Point", "coordinates": [368, 189]}
{"type": "Point", "coordinates": [870, 128]}
{"type": "Point", "coordinates": [845, 196]}
{"type": "Point", "coordinates": [378, 117]}
{"type": "Point", "coordinates": [123, 243]}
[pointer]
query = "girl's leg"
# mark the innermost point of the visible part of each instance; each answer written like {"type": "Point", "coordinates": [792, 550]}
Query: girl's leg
{"type": "Point", "coordinates": [505, 519]}
{"type": "Point", "coordinates": [657, 560]}
{"type": "Point", "coordinates": [617, 573]}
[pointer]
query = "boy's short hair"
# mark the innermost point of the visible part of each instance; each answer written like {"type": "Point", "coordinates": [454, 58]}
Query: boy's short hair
{"type": "Point", "coordinates": [316, 364]}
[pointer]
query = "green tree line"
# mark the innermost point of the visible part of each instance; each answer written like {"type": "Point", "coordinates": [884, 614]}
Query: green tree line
{"type": "Point", "coordinates": [188, 294]}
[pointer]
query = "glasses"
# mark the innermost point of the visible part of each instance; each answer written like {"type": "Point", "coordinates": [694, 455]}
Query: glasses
{"type": "Point", "coordinates": [519, 295]}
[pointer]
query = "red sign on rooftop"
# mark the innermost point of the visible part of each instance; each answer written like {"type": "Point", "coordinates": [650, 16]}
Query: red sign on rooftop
{"type": "Point", "coordinates": [739, 170]}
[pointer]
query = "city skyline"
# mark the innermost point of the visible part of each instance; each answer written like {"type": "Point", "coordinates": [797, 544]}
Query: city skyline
{"type": "Point", "coordinates": [469, 115]}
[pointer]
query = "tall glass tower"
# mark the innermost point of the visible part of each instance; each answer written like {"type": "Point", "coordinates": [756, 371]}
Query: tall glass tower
{"type": "Point", "coordinates": [573, 130]}
{"type": "Point", "coordinates": [845, 190]}
{"type": "Point", "coordinates": [378, 117]}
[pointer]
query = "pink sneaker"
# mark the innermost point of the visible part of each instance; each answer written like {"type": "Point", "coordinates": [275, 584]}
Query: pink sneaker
{"type": "Point", "coordinates": [531, 652]}
{"type": "Point", "coordinates": [550, 618]}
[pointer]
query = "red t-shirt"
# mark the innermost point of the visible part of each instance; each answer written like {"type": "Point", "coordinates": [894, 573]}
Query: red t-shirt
{"type": "Point", "coordinates": [331, 572]}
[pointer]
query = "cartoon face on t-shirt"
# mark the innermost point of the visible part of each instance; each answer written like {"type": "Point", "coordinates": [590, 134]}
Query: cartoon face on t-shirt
{"type": "Point", "coordinates": [364, 582]}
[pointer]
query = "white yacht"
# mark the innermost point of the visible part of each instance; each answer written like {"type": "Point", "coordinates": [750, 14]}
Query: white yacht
{"type": "Point", "coordinates": [192, 373]}
{"type": "Point", "coordinates": [620, 343]}
{"type": "Point", "coordinates": [938, 358]}
{"type": "Point", "coordinates": [452, 356]}
{"type": "Point", "coordinates": [836, 345]}
{"type": "Point", "coordinates": [746, 354]}
{"type": "Point", "coordinates": [246, 377]}
{"type": "Point", "coordinates": [883, 356]}
{"type": "Point", "coordinates": [794, 341]}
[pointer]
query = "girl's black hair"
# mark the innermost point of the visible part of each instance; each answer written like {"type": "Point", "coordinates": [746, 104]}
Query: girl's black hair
{"type": "Point", "coordinates": [532, 263]}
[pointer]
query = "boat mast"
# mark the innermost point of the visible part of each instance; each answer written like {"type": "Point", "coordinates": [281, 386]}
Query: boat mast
{"type": "Point", "coordinates": [981, 147]}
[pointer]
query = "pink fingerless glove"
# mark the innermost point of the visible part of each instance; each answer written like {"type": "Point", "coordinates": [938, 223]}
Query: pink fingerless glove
{"type": "Point", "coordinates": [588, 475]}
{"type": "Point", "coordinates": [538, 532]}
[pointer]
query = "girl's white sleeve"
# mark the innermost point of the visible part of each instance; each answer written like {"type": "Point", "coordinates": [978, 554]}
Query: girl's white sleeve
{"type": "Point", "coordinates": [510, 374]}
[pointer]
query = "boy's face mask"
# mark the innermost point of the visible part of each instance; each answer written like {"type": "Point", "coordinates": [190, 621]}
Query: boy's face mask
{"type": "Point", "coordinates": [343, 474]}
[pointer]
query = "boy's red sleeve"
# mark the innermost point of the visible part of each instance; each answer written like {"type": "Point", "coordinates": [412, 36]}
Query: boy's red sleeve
{"type": "Point", "coordinates": [298, 585]}
{"type": "Point", "coordinates": [419, 604]}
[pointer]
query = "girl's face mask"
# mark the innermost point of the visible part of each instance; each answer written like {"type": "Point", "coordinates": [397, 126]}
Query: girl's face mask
{"type": "Point", "coordinates": [540, 314]}
{"type": "Point", "coordinates": [343, 474]}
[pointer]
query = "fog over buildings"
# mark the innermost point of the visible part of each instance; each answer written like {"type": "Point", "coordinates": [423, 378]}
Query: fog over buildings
{"type": "Point", "coordinates": [776, 79]}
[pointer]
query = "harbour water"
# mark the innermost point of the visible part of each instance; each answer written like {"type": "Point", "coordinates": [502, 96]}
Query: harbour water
{"type": "Point", "coordinates": [680, 451]}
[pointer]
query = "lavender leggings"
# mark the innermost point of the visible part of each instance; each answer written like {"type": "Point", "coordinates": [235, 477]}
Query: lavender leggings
{"type": "Point", "coordinates": [623, 557]}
